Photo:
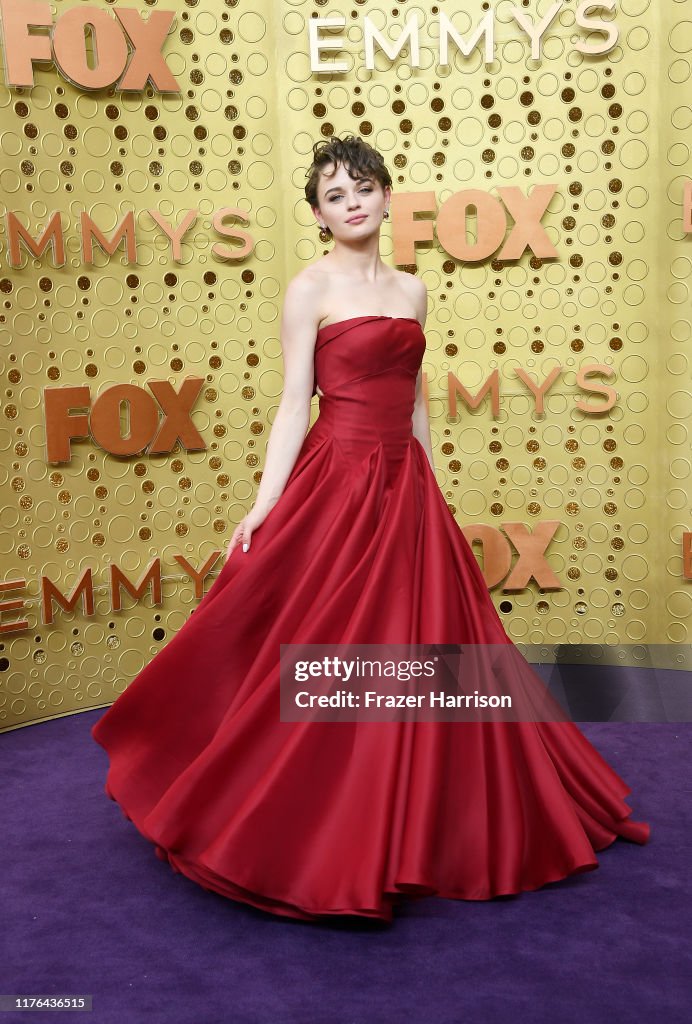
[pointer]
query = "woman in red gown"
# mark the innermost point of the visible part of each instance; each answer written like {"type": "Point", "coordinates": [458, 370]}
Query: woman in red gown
{"type": "Point", "coordinates": [349, 541]}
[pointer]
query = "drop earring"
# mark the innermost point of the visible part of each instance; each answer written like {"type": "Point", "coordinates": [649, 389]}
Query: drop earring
{"type": "Point", "coordinates": [386, 214]}
{"type": "Point", "coordinates": [325, 233]}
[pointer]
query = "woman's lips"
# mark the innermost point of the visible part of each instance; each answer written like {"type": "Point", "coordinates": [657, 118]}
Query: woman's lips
{"type": "Point", "coordinates": [356, 220]}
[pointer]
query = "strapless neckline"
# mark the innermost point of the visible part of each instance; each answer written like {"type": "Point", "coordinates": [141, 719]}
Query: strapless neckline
{"type": "Point", "coordinates": [369, 316]}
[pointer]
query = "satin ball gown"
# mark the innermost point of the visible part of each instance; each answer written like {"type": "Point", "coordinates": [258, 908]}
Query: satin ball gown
{"type": "Point", "coordinates": [307, 819]}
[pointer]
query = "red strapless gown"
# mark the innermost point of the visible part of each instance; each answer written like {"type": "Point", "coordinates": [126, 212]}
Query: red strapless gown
{"type": "Point", "coordinates": [308, 819]}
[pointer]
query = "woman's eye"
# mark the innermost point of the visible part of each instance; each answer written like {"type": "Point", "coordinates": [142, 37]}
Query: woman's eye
{"type": "Point", "coordinates": [337, 196]}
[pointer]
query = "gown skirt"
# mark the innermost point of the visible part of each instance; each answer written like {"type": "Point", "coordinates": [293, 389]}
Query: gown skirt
{"type": "Point", "coordinates": [312, 818]}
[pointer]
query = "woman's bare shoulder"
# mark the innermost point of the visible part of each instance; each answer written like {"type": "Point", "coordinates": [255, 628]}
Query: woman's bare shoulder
{"type": "Point", "coordinates": [305, 285]}
{"type": "Point", "coordinates": [416, 291]}
{"type": "Point", "coordinates": [311, 279]}
{"type": "Point", "coordinates": [315, 272]}
{"type": "Point", "coordinates": [414, 284]}
{"type": "Point", "coordinates": [309, 288]}
{"type": "Point", "coordinates": [302, 307]}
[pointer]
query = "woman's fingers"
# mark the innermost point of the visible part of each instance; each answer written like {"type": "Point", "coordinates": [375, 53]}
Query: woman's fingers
{"type": "Point", "coordinates": [235, 538]}
{"type": "Point", "coordinates": [241, 534]}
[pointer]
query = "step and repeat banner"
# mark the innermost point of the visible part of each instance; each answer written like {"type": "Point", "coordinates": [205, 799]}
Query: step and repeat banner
{"type": "Point", "coordinates": [153, 161]}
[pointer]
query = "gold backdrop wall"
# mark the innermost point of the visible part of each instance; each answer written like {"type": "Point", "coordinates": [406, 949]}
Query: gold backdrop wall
{"type": "Point", "coordinates": [610, 132]}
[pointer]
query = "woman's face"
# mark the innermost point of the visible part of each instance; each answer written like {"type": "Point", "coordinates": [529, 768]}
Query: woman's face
{"type": "Point", "coordinates": [350, 208]}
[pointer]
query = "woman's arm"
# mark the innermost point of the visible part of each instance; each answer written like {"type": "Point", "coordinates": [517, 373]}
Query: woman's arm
{"type": "Point", "coordinates": [298, 333]}
{"type": "Point", "coordinates": [419, 420]}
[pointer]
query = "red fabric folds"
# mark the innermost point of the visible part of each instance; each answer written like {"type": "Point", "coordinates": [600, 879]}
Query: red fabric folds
{"type": "Point", "coordinates": [307, 819]}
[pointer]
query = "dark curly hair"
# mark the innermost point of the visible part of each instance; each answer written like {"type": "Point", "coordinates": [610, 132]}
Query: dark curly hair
{"type": "Point", "coordinates": [359, 159]}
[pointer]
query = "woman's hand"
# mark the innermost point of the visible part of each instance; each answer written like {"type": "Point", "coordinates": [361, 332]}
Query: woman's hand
{"type": "Point", "coordinates": [245, 528]}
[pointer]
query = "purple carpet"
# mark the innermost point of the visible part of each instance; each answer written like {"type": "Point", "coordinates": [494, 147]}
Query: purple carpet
{"type": "Point", "coordinates": [89, 909]}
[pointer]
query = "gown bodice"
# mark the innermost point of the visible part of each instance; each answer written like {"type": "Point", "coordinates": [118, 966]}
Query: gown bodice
{"type": "Point", "coordinates": [366, 367]}
{"type": "Point", "coordinates": [356, 350]}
